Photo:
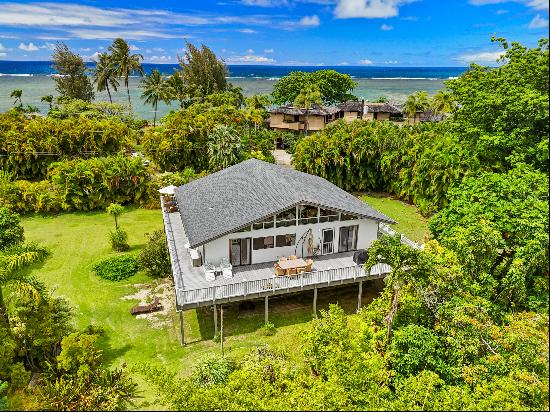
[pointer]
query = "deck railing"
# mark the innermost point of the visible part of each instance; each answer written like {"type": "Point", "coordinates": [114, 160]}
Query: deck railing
{"type": "Point", "coordinates": [386, 230]}
{"type": "Point", "coordinates": [278, 284]}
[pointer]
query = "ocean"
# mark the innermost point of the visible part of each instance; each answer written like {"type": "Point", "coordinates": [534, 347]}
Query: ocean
{"type": "Point", "coordinates": [396, 83]}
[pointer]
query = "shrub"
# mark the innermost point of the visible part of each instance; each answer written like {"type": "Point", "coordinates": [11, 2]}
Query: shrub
{"type": "Point", "coordinates": [19, 376]}
{"type": "Point", "coordinates": [154, 258]}
{"type": "Point", "coordinates": [269, 329]}
{"type": "Point", "coordinates": [212, 370]}
{"type": "Point", "coordinates": [119, 240]}
{"type": "Point", "coordinates": [117, 267]}
{"type": "Point", "coordinates": [11, 232]}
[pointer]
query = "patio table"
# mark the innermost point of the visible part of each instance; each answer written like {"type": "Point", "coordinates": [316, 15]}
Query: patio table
{"type": "Point", "coordinates": [292, 264]}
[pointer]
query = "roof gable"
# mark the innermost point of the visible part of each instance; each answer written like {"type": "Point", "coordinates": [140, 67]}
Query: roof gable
{"type": "Point", "coordinates": [230, 199]}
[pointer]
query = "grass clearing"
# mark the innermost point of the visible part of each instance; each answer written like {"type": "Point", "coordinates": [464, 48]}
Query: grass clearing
{"type": "Point", "coordinates": [409, 220]}
{"type": "Point", "coordinates": [79, 240]}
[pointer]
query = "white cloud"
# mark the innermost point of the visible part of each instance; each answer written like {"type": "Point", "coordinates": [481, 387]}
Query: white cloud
{"type": "Point", "coordinates": [161, 59]}
{"type": "Point", "coordinates": [391, 62]}
{"type": "Point", "coordinates": [370, 9]}
{"type": "Point", "coordinates": [3, 54]}
{"type": "Point", "coordinates": [534, 4]}
{"type": "Point", "coordinates": [481, 57]}
{"type": "Point", "coordinates": [309, 21]}
{"type": "Point", "coordinates": [85, 49]}
{"type": "Point", "coordinates": [386, 27]}
{"type": "Point", "coordinates": [365, 62]}
{"type": "Point", "coordinates": [2, 48]}
{"type": "Point", "coordinates": [94, 57]}
{"type": "Point", "coordinates": [343, 64]}
{"type": "Point", "coordinates": [93, 34]}
{"type": "Point", "coordinates": [538, 22]}
{"type": "Point", "coordinates": [28, 47]}
{"type": "Point", "coordinates": [133, 47]}
{"type": "Point", "coordinates": [499, 12]}
{"type": "Point", "coordinates": [247, 31]}
{"type": "Point", "coordinates": [268, 51]}
{"type": "Point", "coordinates": [48, 46]}
{"type": "Point", "coordinates": [158, 49]}
{"type": "Point", "coordinates": [265, 3]}
{"type": "Point", "coordinates": [250, 51]}
{"type": "Point", "coordinates": [249, 59]}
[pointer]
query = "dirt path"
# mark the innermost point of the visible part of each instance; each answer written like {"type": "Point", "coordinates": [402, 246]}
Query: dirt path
{"type": "Point", "coordinates": [282, 158]}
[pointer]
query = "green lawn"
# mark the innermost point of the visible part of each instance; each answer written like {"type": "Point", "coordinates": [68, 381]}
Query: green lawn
{"type": "Point", "coordinates": [78, 240]}
{"type": "Point", "coordinates": [409, 221]}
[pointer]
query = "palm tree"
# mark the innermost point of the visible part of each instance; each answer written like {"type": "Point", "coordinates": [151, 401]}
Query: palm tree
{"type": "Point", "coordinates": [308, 96]}
{"type": "Point", "coordinates": [105, 74]}
{"type": "Point", "coordinates": [48, 99]}
{"type": "Point", "coordinates": [176, 88]}
{"type": "Point", "coordinates": [443, 102]}
{"type": "Point", "coordinates": [416, 102]}
{"type": "Point", "coordinates": [12, 260]}
{"type": "Point", "coordinates": [16, 94]}
{"type": "Point", "coordinates": [154, 89]}
{"type": "Point", "coordinates": [125, 63]}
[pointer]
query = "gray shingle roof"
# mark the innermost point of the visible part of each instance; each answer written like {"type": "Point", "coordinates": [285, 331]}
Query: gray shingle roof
{"type": "Point", "coordinates": [382, 107]}
{"type": "Point", "coordinates": [232, 198]}
{"type": "Point", "coordinates": [314, 110]}
{"type": "Point", "coordinates": [351, 106]}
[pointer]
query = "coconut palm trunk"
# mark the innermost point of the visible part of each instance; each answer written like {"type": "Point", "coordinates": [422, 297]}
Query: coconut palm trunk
{"type": "Point", "coordinates": [109, 93]}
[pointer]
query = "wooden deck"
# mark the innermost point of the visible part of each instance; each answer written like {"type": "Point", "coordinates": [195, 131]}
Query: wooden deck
{"type": "Point", "coordinates": [253, 281]}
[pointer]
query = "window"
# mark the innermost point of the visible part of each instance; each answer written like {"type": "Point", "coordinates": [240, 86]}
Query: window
{"type": "Point", "coordinates": [307, 214]}
{"type": "Point", "coordinates": [327, 215]}
{"type": "Point", "coordinates": [259, 243]}
{"type": "Point", "coordinates": [286, 218]}
{"type": "Point", "coordinates": [359, 115]}
{"type": "Point", "coordinates": [267, 223]}
{"type": "Point", "coordinates": [286, 240]}
{"type": "Point", "coordinates": [344, 216]}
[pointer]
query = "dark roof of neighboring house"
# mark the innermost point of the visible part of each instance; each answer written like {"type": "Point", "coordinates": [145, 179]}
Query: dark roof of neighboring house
{"type": "Point", "coordinates": [351, 106]}
{"type": "Point", "coordinates": [315, 110]}
{"type": "Point", "coordinates": [233, 198]}
{"type": "Point", "coordinates": [382, 108]}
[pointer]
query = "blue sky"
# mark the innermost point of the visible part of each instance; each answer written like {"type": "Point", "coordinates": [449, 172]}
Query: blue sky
{"type": "Point", "coordinates": [282, 32]}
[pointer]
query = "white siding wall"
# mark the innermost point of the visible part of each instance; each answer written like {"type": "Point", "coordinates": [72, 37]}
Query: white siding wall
{"type": "Point", "coordinates": [219, 248]}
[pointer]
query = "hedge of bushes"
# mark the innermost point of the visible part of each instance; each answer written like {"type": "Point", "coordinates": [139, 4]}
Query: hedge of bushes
{"type": "Point", "coordinates": [29, 145]}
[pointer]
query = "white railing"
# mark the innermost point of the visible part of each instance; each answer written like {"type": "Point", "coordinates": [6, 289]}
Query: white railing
{"type": "Point", "coordinates": [386, 230]}
{"type": "Point", "coordinates": [277, 284]}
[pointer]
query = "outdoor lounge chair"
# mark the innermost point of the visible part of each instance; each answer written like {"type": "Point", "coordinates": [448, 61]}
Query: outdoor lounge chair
{"type": "Point", "coordinates": [226, 269]}
{"type": "Point", "coordinates": [153, 307]}
{"type": "Point", "coordinates": [209, 272]}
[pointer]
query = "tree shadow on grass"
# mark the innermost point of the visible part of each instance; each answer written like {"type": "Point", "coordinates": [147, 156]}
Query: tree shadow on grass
{"type": "Point", "coordinates": [111, 354]}
{"type": "Point", "coordinates": [284, 310]}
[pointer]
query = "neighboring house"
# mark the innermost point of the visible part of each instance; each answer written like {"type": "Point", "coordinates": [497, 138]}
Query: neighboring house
{"type": "Point", "coordinates": [291, 118]}
{"type": "Point", "coordinates": [253, 213]}
{"type": "Point", "coordinates": [383, 111]}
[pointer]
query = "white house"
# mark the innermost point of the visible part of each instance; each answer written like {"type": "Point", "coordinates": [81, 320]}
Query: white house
{"type": "Point", "coordinates": [256, 212]}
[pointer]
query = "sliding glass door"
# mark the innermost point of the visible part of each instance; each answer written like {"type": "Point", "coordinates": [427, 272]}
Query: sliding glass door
{"type": "Point", "coordinates": [239, 251]}
{"type": "Point", "coordinates": [348, 238]}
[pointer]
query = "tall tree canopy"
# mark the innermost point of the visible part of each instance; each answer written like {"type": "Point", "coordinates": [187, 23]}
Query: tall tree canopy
{"type": "Point", "coordinates": [503, 111]}
{"type": "Point", "coordinates": [203, 72]}
{"type": "Point", "coordinates": [334, 87]}
{"type": "Point", "coordinates": [73, 83]}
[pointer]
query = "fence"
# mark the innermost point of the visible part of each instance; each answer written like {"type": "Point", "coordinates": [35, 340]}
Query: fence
{"type": "Point", "coordinates": [386, 230]}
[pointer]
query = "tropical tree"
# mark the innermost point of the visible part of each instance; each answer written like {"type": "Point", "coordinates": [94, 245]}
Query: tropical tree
{"type": "Point", "coordinates": [115, 210]}
{"type": "Point", "coordinates": [105, 74]}
{"type": "Point", "coordinates": [72, 82]}
{"type": "Point", "coordinates": [308, 96]}
{"type": "Point", "coordinates": [404, 262]}
{"type": "Point", "coordinates": [176, 88]}
{"type": "Point", "coordinates": [224, 147]}
{"type": "Point", "coordinates": [47, 99]}
{"type": "Point", "coordinates": [416, 102]}
{"type": "Point", "coordinates": [16, 94]}
{"type": "Point", "coordinates": [203, 72]}
{"type": "Point", "coordinates": [443, 102]}
{"type": "Point", "coordinates": [126, 63]}
{"type": "Point", "coordinates": [155, 89]}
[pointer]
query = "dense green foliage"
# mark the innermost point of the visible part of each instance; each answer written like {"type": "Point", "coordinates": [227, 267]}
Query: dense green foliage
{"type": "Point", "coordinates": [30, 145]}
{"type": "Point", "coordinates": [72, 82]}
{"type": "Point", "coordinates": [417, 163]}
{"type": "Point", "coordinates": [119, 240]}
{"type": "Point", "coordinates": [503, 112]}
{"type": "Point", "coordinates": [334, 87]}
{"type": "Point", "coordinates": [117, 267]}
{"type": "Point", "coordinates": [154, 257]}
{"type": "Point", "coordinates": [11, 232]}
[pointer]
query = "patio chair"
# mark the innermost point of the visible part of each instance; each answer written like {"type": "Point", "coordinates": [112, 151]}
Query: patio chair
{"type": "Point", "coordinates": [209, 272]}
{"type": "Point", "coordinates": [292, 271]}
{"type": "Point", "coordinates": [292, 257]}
{"type": "Point", "coordinates": [282, 259]}
{"type": "Point", "coordinates": [279, 271]}
{"type": "Point", "coordinates": [153, 307]}
{"type": "Point", "coordinates": [309, 265]}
